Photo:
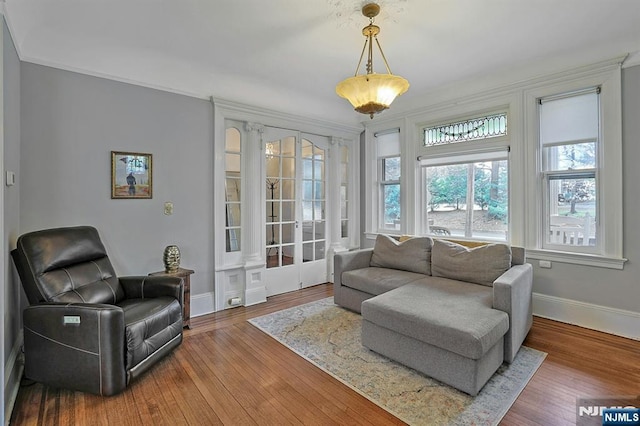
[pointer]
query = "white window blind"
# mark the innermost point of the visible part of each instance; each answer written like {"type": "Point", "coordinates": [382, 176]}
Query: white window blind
{"type": "Point", "coordinates": [569, 119]}
{"type": "Point", "coordinates": [388, 143]}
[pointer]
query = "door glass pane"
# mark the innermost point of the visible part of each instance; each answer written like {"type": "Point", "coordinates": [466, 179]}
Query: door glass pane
{"type": "Point", "coordinates": [273, 167]}
{"type": "Point", "coordinates": [233, 239]}
{"type": "Point", "coordinates": [307, 210]}
{"type": "Point", "coordinates": [287, 255]}
{"type": "Point", "coordinates": [273, 234]}
{"type": "Point", "coordinates": [307, 168]}
{"type": "Point", "coordinates": [319, 190]}
{"type": "Point", "coordinates": [307, 252]}
{"type": "Point", "coordinates": [318, 170]}
{"type": "Point", "coordinates": [288, 211]}
{"type": "Point", "coordinates": [273, 189]}
{"type": "Point", "coordinates": [232, 163]}
{"type": "Point", "coordinates": [307, 231]}
{"type": "Point", "coordinates": [232, 140]}
{"type": "Point", "coordinates": [280, 230]}
{"type": "Point", "coordinates": [307, 189]}
{"type": "Point", "coordinates": [289, 147]}
{"type": "Point", "coordinates": [272, 148]}
{"type": "Point", "coordinates": [288, 233]}
{"type": "Point", "coordinates": [233, 181]}
{"type": "Point", "coordinates": [273, 209]}
{"type": "Point", "coordinates": [273, 257]}
{"type": "Point", "coordinates": [232, 190]}
{"type": "Point", "coordinates": [307, 149]}
{"type": "Point", "coordinates": [288, 167]}
{"type": "Point", "coordinates": [319, 231]}
{"type": "Point", "coordinates": [319, 253]}
{"type": "Point", "coordinates": [233, 214]}
{"type": "Point", "coordinates": [318, 153]}
{"type": "Point", "coordinates": [288, 189]}
{"type": "Point", "coordinates": [318, 210]}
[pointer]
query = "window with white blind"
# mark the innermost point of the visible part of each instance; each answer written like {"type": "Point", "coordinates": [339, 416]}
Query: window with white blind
{"type": "Point", "coordinates": [569, 146]}
{"type": "Point", "coordinates": [389, 174]}
{"type": "Point", "coordinates": [344, 192]}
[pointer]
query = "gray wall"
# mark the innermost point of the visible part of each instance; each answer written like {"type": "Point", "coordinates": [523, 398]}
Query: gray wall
{"type": "Point", "coordinates": [70, 124]}
{"type": "Point", "coordinates": [608, 287]}
{"type": "Point", "coordinates": [12, 293]}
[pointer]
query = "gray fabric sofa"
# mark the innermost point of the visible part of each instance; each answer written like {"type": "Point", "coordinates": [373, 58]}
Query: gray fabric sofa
{"type": "Point", "coordinates": [453, 313]}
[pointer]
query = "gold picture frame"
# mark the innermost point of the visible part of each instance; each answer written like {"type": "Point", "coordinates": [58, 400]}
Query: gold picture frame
{"type": "Point", "coordinates": [131, 175]}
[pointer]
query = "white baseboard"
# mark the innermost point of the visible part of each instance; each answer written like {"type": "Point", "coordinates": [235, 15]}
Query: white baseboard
{"type": "Point", "coordinates": [602, 318]}
{"type": "Point", "coordinates": [13, 369]}
{"type": "Point", "coordinates": [202, 304]}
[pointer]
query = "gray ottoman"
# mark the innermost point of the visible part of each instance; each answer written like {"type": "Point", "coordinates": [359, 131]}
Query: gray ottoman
{"type": "Point", "coordinates": [446, 330]}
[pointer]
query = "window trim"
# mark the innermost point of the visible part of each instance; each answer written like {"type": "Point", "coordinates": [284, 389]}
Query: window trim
{"type": "Point", "coordinates": [370, 177]}
{"type": "Point", "coordinates": [382, 183]}
{"type": "Point", "coordinates": [609, 174]}
{"type": "Point", "coordinates": [498, 154]}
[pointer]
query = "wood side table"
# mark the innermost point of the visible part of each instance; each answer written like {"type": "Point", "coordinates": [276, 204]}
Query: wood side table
{"type": "Point", "coordinates": [185, 274]}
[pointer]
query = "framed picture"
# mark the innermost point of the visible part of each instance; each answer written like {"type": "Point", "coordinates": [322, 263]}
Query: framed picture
{"type": "Point", "coordinates": [131, 175]}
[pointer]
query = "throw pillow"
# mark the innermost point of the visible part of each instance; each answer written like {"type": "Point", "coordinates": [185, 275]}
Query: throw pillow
{"type": "Point", "coordinates": [480, 265]}
{"type": "Point", "coordinates": [413, 255]}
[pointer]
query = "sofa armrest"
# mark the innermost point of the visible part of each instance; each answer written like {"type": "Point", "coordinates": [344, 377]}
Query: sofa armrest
{"type": "Point", "coordinates": [76, 346]}
{"type": "Point", "coordinates": [141, 287]}
{"type": "Point", "coordinates": [512, 293]}
{"type": "Point", "coordinates": [348, 261]}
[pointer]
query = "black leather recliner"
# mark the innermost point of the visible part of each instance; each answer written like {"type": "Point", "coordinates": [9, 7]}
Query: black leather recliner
{"type": "Point", "coordinates": [85, 328]}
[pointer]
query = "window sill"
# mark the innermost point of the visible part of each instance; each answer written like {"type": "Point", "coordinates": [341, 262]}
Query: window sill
{"type": "Point", "coordinates": [576, 258]}
{"type": "Point", "coordinates": [373, 235]}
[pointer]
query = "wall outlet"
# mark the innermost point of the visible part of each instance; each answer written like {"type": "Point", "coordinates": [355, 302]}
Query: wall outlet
{"type": "Point", "coordinates": [168, 208]}
{"type": "Point", "coordinates": [11, 178]}
{"type": "Point", "coordinates": [544, 264]}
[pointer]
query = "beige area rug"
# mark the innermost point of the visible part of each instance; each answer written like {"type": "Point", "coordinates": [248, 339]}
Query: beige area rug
{"type": "Point", "coordinates": [329, 337]}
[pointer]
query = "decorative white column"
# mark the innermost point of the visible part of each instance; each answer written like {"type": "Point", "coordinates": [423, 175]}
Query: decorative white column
{"type": "Point", "coordinates": [252, 231]}
{"type": "Point", "coordinates": [333, 198]}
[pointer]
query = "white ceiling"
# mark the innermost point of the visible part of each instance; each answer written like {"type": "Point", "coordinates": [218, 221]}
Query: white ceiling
{"type": "Point", "coordinates": [288, 55]}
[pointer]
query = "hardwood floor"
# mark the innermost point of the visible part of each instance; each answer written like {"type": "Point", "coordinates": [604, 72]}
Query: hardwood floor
{"type": "Point", "coordinates": [228, 372]}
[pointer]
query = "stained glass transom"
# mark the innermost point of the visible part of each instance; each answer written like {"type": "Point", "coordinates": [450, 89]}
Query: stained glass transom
{"type": "Point", "coordinates": [468, 130]}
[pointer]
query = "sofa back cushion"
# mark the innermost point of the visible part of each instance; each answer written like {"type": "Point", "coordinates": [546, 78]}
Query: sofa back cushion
{"type": "Point", "coordinates": [480, 265]}
{"type": "Point", "coordinates": [413, 255]}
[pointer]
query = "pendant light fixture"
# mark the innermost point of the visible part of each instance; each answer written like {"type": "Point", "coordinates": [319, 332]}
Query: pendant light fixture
{"type": "Point", "coordinates": [371, 93]}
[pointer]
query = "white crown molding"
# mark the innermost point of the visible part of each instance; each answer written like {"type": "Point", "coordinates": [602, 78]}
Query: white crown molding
{"type": "Point", "coordinates": [632, 60]}
{"type": "Point", "coordinates": [468, 91]}
{"type": "Point", "coordinates": [266, 116]}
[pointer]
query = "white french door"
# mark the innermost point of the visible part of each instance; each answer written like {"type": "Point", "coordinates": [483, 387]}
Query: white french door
{"type": "Point", "coordinates": [314, 207]}
{"type": "Point", "coordinates": [295, 206]}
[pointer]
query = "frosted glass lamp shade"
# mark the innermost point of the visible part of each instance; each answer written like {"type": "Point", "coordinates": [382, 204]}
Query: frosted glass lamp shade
{"type": "Point", "coordinates": [372, 93]}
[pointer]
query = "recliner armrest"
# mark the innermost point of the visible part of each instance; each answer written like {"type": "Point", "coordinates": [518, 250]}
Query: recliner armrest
{"type": "Point", "coordinates": [143, 287]}
{"type": "Point", "coordinates": [76, 346]}
{"type": "Point", "coordinates": [512, 293]}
